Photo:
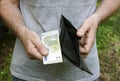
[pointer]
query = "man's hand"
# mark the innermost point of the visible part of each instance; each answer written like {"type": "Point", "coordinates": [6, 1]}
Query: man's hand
{"type": "Point", "coordinates": [33, 45]}
{"type": "Point", "coordinates": [88, 30]}
{"type": "Point", "coordinates": [9, 11]}
{"type": "Point", "coordinates": [87, 33]}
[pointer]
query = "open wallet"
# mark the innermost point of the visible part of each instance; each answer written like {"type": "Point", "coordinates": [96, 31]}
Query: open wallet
{"type": "Point", "coordinates": [70, 44]}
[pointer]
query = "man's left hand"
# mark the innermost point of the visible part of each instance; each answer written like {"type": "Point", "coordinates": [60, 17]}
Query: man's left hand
{"type": "Point", "coordinates": [87, 33]}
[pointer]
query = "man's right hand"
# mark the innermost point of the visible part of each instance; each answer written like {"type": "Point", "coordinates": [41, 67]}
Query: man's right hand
{"type": "Point", "coordinates": [10, 12]}
{"type": "Point", "coordinates": [33, 45]}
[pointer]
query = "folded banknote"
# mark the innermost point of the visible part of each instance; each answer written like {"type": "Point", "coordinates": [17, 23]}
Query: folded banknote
{"type": "Point", "coordinates": [51, 41]}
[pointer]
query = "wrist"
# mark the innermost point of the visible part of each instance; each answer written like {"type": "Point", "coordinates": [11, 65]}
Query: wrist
{"type": "Point", "coordinates": [96, 18]}
{"type": "Point", "coordinates": [20, 32]}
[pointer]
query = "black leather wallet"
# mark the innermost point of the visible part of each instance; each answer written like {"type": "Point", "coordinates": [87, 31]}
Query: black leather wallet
{"type": "Point", "coordinates": [70, 44]}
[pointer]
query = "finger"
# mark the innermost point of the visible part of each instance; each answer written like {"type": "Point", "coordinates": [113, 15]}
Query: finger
{"type": "Point", "coordinates": [83, 56]}
{"type": "Point", "coordinates": [33, 52]}
{"type": "Point", "coordinates": [41, 47]}
{"type": "Point", "coordinates": [82, 50]}
{"type": "Point", "coordinates": [83, 44]}
{"type": "Point", "coordinates": [82, 41]}
{"type": "Point", "coordinates": [31, 57]}
{"type": "Point", "coordinates": [85, 27]}
{"type": "Point", "coordinates": [89, 40]}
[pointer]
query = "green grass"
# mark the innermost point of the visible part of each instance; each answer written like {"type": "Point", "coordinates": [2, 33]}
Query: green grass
{"type": "Point", "coordinates": [5, 73]}
{"type": "Point", "coordinates": [108, 42]}
{"type": "Point", "coordinates": [109, 53]}
{"type": "Point", "coordinates": [6, 48]}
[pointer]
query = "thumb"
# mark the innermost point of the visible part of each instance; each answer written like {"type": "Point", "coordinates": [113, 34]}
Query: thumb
{"type": "Point", "coordinates": [82, 30]}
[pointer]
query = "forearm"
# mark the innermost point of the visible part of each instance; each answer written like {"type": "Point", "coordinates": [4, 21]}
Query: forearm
{"type": "Point", "coordinates": [9, 10]}
{"type": "Point", "coordinates": [106, 9]}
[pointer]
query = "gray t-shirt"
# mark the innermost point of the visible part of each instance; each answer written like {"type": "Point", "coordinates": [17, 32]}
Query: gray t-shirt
{"type": "Point", "coordinates": [44, 15]}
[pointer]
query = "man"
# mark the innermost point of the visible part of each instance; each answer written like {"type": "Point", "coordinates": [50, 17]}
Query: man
{"type": "Point", "coordinates": [37, 16]}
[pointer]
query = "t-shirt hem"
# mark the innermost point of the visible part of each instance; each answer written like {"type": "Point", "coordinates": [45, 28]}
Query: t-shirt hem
{"type": "Point", "coordinates": [28, 78]}
{"type": "Point", "coordinates": [24, 77]}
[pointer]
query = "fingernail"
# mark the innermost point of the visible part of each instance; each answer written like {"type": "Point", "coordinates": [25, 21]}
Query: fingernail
{"type": "Point", "coordinates": [80, 33]}
{"type": "Point", "coordinates": [45, 52]}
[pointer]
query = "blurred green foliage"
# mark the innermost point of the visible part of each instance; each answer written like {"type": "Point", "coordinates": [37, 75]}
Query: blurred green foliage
{"type": "Point", "coordinates": [4, 72]}
{"type": "Point", "coordinates": [108, 43]}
